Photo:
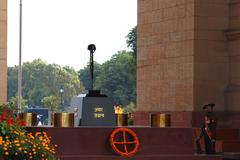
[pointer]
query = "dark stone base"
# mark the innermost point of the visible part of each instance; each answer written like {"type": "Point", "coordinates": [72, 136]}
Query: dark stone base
{"type": "Point", "coordinates": [88, 143]}
{"type": "Point", "coordinates": [151, 157]}
{"type": "Point", "coordinates": [190, 119]}
{"type": "Point", "coordinates": [84, 141]}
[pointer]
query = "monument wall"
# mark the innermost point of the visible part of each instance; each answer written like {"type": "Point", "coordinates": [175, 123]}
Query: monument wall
{"type": "Point", "coordinates": [188, 56]}
{"type": "Point", "coordinates": [211, 57]}
{"type": "Point", "coordinates": [3, 51]}
{"type": "Point", "coordinates": [165, 55]}
{"type": "Point", "coordinates": [232, 93]}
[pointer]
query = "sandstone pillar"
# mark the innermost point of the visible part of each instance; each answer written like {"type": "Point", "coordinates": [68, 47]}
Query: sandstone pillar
{"type": "Point", "coordinates": [3, 51]}
{"type": "Point", "coordinates": [233, 34]}
{"type": "Point", "coordinates": [165, 55]}
{"type": "Point", "coordinates": [185, 59]}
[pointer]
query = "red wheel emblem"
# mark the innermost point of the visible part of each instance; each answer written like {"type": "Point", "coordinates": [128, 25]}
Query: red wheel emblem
{"type": "Point", "coordinates": [124, 141]}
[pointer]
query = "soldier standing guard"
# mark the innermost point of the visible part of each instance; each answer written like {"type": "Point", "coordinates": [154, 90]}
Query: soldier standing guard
{"type": "Point", "coordinates": [208, 131]}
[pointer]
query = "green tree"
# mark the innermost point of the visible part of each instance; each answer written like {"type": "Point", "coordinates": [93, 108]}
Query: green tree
{"type": "Point", "coordinates": [130, 108]}
{"type": "Point", "coordinates": [132, 41]}
{"type": "Point", "coordinates": [13, 102]}
{"type": "Point", "coordinates": [117, 78]}
{"type": "Point", "coordinates": [12, 79]}
{"type": "Point", "coordinates": [41, 80]}
{"type": "Point", "coordinates": [51, 102]}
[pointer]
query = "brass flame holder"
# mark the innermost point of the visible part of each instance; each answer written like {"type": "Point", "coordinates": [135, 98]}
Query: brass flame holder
{"type": "Point", "coordinates": [160, 120]}
{"type": "Point", "coordinates": [122, 119]}
{"type": "Point", "coordinates": [64, 119]}
{"type": "Point", "coordinates": [29, 118]}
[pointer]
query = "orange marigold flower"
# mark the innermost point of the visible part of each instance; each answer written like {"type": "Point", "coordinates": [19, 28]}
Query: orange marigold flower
{"type": "Point", "coordinates": [38, 133]}
{"type": "Point", "coordinates": [16, 141]}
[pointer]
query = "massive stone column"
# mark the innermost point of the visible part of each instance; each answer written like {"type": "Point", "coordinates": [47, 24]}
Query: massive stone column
{"type": "Point", "coordinates": [232, 93]}
{"type": "Point", "coordinates": [233, 34]}
{"type": "Point", "coordinates": [3, 51]}
{"type": "Point", "coordinates": [165, 56]}
{"type": "Point", "coordinates": [211, 57]}
{"type": "Point", "coordinates": [186, 59]}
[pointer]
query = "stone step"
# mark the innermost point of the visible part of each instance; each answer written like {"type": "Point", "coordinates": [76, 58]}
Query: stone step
{"type": "Point", "coordinates": [231, 155]}
{"type": "Point", "coordinates": [146, 157]}
{"type": "Point", "coordinates": [227, 146]}
{"type": "Point", "coordinates": [227, 134]}
{"type": "Point", "coordinates": [224, 146]}
{"type": "Point", "coordinates": [227, 140]}
{"type": "Point", "coordinates": [223, 133]}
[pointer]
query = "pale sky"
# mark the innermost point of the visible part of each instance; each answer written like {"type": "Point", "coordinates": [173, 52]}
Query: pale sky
{"type": "Point", "coordinates": [59, 31]}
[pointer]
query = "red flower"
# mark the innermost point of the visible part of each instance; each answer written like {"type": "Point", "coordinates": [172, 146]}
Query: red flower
{"type": "Point", "coordinates": [23, 123]}
{"type": "Point", "coordinates": [9, 122]}
{"type": "Point", "coordinates": [3, 116]}
{"type": "Point", "coordinates": [20, 122]}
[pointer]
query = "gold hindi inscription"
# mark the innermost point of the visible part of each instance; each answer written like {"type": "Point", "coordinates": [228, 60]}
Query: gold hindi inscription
{"type": "Point", "coordinates": [98, 112]}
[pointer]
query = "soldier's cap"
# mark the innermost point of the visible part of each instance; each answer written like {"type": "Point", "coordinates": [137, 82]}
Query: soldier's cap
{"type": "Point", "coordinates": [208, 105]}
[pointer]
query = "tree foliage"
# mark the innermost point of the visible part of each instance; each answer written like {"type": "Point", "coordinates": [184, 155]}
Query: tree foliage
{"type": "Point", "coordinates": [117, 79]}
{"type": "Point", "coordinates": [12, 82]}
{"type": "Point", "coordinates": [132, 41]}
{"type": "Point", "coordinates": [13, 101]}
{"type": "Point", "coordinates": [51, 102]}
{"type": "Point", "coordinates": [42, 80]}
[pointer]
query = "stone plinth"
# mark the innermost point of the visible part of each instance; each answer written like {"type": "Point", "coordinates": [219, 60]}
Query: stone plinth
{"type": "Point", "coordinates": [155, 143]}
